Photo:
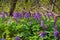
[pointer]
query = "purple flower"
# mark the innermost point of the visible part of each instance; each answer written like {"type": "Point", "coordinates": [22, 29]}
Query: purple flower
{"type": "Point", "coordinates": [49, 14]}
{"type": "Point", "coordinates": [20, 15]}
{"type": "Point", "coordinates": [16, 15]}
{"type": "Point", "coordinates": [55, 20]}
{"type": "Point", "coordinates": [2, 39]}
{"type": "Point", "coordinates": [55, 27]}
{"type": "Point", "coordinates": [37, 16]}
{"type": "Point", "coordinates": [17, 38]}
{"type": "Point", "coordinates": [56, 33]}
{"type": "Point", "coordinates": [43, 34]}
{"type": "Point", "coordinates": [3, 15]}
{"type": "Point", "coordinates": [52, 16]}
{"type": "Point", "coordinates": [31, 22]}
{"type": "Point", "coordinates": [7, 14]}
{"type": "Point", "coordinates": [42, 23]}
{"type": "Point", "coordinates": [27, 15]}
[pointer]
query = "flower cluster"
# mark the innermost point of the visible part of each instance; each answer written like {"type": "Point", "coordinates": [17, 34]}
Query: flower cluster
{"type": "Point", "coordinates": [28, 25]}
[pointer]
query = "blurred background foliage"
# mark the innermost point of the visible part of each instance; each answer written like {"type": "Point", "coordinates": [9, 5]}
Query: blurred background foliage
{"type": "Point", "coordinates": [28, 5]}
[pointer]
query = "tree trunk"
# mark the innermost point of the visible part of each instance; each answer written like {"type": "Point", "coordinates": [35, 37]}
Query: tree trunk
{"type": "Point", "coordinates": [26, 1]}
{"type": "Point", "coordinates": [12, 6]}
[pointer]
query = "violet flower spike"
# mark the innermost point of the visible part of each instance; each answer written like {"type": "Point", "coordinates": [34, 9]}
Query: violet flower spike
{"type": "Point", "coordinates": [55, 27]}
{"type": "Point", "coordinates": [3, 15]}
{"type": "Point", "coordinates": [27, 15]}
{"type": "Point", "coordinates": [56, 33]}
{"type": "Point", "coordinates": [43, 34]}
{"type": "Point", "coordinates": [2, 39]}
{"type": "Point", "coordinates": [52, 15]}
{"type": "Point", "coordinates": [48, 14]}
{"type": "Point", "coordinates": [16, 15]}
{"type": "Point", "coordinates": [7, 14]}
{"type": "Point", "coordinates": [31, 22]}
{"type": "Point", "coordinates": [20, 15]}
{"type": "Point", "coordinates": [17, 38]}
{"type": "Point", "coordinates": [55, 20]}
{"type": "Point", "coordinates": [38, 15]}
{"type": "Point", "coordinates": [42, 23]}
{"type": "Point", "coordinates": [35, 17]}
